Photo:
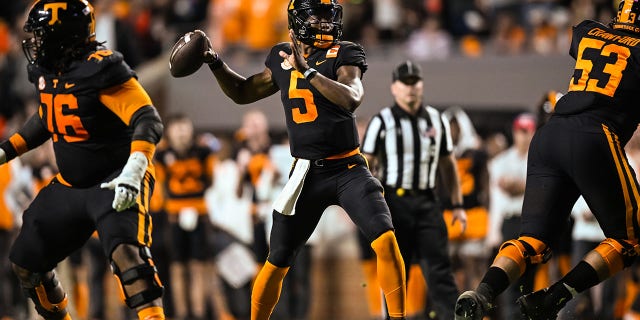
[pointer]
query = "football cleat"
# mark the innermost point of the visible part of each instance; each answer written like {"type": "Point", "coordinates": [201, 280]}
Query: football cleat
{"type": "Point", "coordinates": [471, 306]}
{"type": "Point", "coordinates": [535, 306]}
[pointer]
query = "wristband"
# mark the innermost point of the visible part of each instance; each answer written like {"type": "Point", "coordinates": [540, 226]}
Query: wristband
{"type": "Point", "coordinates": [310, 73]}
{"type": "Point", "coordinates": [216, 64]}
{"type": "Point", "coordinates": [457, 206]}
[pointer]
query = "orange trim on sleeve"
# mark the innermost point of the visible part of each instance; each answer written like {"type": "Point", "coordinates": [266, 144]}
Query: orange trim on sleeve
{"type": "Point", "coordinates": [145, 147]}
{"type": "Point", "coordinates": [18, 143]}
{"type": "Point", "coordinates": [125, 99]}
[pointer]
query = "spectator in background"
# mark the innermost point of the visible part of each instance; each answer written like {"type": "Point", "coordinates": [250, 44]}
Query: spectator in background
{"type": "Point", "coordinates": [12, 83]}
{"type": "Point", "coordinates": [16, 191]}
{"type": "Point", "coordinates": [182, 16]}
{"type": "Point", "coordinates": [188, 171]}
{"type": "Point", "coordinates": [508, 36]}
{"type": "Point", "coordinates": [430, 41]}
{"type": "Point", "coordinates": [387, 19]}
{"type": "Point", "coordinates": [227, 24]}
{"type": "Point", "coordinates": [508, 174]}
{"type": "Point", "coordinates": [115, 31]}
{"type": "Point", "coordinates": [265, 24]}
{"type": "Point", "coordinates": [467, 248]}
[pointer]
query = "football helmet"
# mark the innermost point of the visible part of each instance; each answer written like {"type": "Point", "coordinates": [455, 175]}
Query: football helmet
{"type": "Point", "coordinates": [61, 30]}
{"type": "Point", "coordinates": [316, 22]}
{"type": "Point", "coordinates": [627, 17]}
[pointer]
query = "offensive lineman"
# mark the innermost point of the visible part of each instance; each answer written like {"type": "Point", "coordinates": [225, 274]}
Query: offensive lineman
{"type": "Point", "coordinates": [579, 151]}
{"type": "Point", "coordinates": [104, 130]}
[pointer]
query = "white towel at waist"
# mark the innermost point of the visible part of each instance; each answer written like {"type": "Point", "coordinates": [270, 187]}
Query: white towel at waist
{"type": "Point", "coordinates": [286, 201]}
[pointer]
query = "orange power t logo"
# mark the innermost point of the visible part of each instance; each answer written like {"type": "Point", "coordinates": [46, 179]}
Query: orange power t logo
{"type": "Point", "coordinates": [54, 10]}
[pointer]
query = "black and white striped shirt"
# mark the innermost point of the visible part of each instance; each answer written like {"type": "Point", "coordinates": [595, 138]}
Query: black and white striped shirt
{"type": "Point", "coordinates": [408, 147]}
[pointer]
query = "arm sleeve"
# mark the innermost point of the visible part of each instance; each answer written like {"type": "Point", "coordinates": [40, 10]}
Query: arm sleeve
{"type": "Point", "coordinates": [131, 103]}
{"type": "Point", "coordinates": [31, 135]}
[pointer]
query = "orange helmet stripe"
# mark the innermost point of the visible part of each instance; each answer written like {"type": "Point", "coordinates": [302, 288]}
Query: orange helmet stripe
{"type": "Point", "coordinates": [325, 1]}
{"type": "Point", "coordinates": [626, 11]}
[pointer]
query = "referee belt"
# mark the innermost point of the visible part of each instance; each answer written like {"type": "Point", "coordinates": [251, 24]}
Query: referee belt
{"type": "Point", "coordinates": [402, 192]}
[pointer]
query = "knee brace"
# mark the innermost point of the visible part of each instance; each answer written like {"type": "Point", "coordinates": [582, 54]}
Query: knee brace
{"type": "Point", "coordinates": [524, 251]}
{"type": "Point", "coordinates": [616, 254]}
{"type": "Point", "coordinates": [146, 272]}
{"type": "Point", "coordinates": [41, 288]}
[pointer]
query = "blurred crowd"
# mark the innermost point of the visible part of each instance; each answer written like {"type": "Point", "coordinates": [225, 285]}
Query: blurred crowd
{"type": "Point", "coordinates": [425, 29]}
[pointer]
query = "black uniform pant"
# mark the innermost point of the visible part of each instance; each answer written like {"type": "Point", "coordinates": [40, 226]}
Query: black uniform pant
{"type": "Point", "coordinates": [345, 182]}
{"type": "Point", "coordinates": [574, 155]}
{"type": "Point", "coordinates": [421, 230]}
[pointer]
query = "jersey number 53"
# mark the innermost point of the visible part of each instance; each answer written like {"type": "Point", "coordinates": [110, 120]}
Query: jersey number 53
{"type": "Point", "coordinates": [605, 75]}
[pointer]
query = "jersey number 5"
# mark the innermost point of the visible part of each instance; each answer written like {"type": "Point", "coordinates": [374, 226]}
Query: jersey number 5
{"type": "Point", "coordinates": [59, 119]}
{"type": "Point", "coordinates": [602, 78]}
{"type": "Point", "coordinates": [311, 111]}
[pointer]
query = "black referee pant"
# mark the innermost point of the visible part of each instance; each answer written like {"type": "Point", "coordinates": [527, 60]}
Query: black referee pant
{"type": "Point", "coordinates": [420, 229]}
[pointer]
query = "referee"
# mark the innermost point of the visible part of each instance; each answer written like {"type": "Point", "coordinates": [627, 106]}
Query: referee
{"type": "Point", "coordinates": [405, 145]}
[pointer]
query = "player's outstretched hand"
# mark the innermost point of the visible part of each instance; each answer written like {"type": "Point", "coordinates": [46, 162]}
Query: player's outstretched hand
{"type": "Point", "coordinates": [210, 56]}
{"type": "Point", "coordinates": [127, 185]}
{"type": "Point", "coordinates": [296, 58]}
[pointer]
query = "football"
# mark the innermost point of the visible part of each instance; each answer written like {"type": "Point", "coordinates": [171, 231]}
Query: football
{"type": "Point", "coordinates": [187, 54]}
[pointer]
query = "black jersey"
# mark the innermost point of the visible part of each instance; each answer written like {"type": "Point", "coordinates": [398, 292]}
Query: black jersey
{"type": "Point", "coordinates": [186, 177]}
{"type": "Point", "coordinates": [606, 77]}
{"type": "Point", "coordinates": [317, 127]}
{"type": "Point", "coordinates": [86, 112]}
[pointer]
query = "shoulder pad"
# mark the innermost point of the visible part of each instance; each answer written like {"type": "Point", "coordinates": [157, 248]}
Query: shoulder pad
{"type": "Point", "coordinates": [103, 68]}
{"type": "Point", "coordinates": [273, 58]}
{"type": "Point", "coordinates": [349, 53]}
{"type": "Point", "coordinates": [589, 24]}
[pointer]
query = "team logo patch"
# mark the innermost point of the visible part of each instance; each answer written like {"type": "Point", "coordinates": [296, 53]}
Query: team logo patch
{"type": "Point", "coordinates": [286, 65]}
{"type": "Point", "coordinates": [333, 52]}
{"type": "Point", "coordinates": [41, 83]}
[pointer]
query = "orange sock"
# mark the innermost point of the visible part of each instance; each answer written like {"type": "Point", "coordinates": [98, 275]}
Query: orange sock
{"type": "Point", "coordinates": [541, 278]}
{"type": "Point", "coordinates": [564, 264]}
{"type": "Point", "coordinates": [416, 291]}
{"type": "Point", "coordinates": [151, 313]}
{"type": "Point", "coordinates": [266, 291]}
{"type": "Point", "coordinates": [391, 273]}
{"type": "Point", "coordinates": [372, 287]}
{"type": "Point", "coordinates": [81, 297]}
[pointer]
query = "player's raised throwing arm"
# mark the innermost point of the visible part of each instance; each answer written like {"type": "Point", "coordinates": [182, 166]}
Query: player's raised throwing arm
{"type": "Point", "coordinates": [240, 89]}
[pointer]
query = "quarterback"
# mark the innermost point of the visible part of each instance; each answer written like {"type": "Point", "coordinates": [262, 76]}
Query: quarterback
{"type": "Point", "coordinates": [319, 79]}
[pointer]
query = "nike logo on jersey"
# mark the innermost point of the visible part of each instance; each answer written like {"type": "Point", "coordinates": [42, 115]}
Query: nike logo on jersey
{"type": "Point", "coordinates": [320, 62]}
{"type": "Point", "coordinates": [69, 85]}
{"type": "Point", "coordinates": [349, 166]}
